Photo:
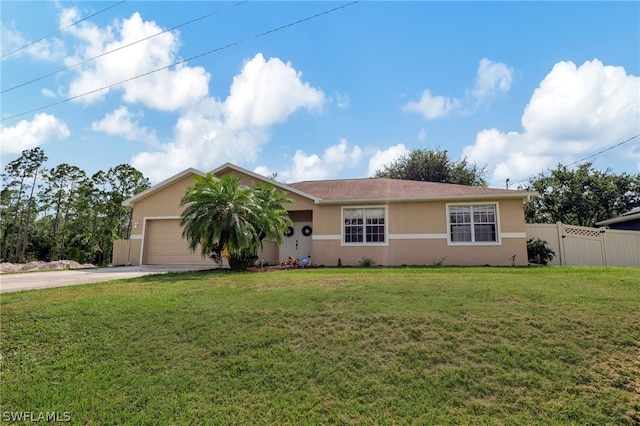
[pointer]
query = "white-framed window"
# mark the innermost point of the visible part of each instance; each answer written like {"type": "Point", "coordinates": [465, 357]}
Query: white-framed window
{"type": "Point", "coordinates": [364, 225]}
{"type": "Point", "coordinates": [473, 223]}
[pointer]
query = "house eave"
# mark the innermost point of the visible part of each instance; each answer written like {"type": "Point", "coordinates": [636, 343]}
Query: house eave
{"type": "Point", "coordinates": [525, 196]}
{"type": "Point", "coordinates": [618, 219]}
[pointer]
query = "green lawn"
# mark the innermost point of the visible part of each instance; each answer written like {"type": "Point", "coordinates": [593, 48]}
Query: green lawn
{"type": "Point", "coordinates": [341, 346]}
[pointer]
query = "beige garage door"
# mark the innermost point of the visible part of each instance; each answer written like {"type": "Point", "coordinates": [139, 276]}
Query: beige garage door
{"type": "Point", "coordinates": [164, 245]}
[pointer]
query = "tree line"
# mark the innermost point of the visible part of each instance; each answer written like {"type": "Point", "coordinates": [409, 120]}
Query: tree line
{"type": "Point", "coordinates": [61, 212]}
{"type": "Point", "coordinates": [582, 196]}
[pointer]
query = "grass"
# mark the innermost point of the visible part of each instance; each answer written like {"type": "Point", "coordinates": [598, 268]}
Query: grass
{"type": "Point", "coordinates": [342, 346]}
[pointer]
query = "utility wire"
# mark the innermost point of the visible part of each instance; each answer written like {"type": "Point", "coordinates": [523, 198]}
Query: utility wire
{"type": "Point", "coordinates": [122, 47]}
{"type": "Point", "coordinates": [60, 30]}
{"type": "Point", "coordinates": [590, 156]}
{"type": "Point", "coordinates": [291, 24]}
{"type": "Point", "coordinates": [604, 150]}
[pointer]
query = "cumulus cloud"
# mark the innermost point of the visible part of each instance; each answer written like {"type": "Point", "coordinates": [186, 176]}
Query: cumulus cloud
{"type": "Point", "coordinates": [125, 124]}
{"type": "Point", "coordinates": [432, 106]}
{"type": "Point", "coordinates": [49, 49]}
{"type": "Point", "coordinates": [315, 167]}
{"type": "Point", "coordinates": [210, 132]}
{"type": "Point", "coordinates": [386, 157]}
{"type": "Point", "coordinates": [202, 140]}
{"type": "Point", "coordinates": [263, 171]}
{"type": "Point", "coordinates": [575, 111]}
{"type": "Point", "coordinates": [492, 79]}
{"type": "Point", "coordinates": [169, 89]}
{"type": "Point", "coordinates": [30, 134]}
{"type": "Point", "coordinates": [267, 92]}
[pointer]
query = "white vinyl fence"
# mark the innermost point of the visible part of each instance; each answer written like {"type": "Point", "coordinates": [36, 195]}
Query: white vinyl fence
{"type": "Point", "coordinates": [579, 245]}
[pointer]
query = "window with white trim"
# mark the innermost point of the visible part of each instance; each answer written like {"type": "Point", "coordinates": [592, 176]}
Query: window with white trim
{"type": "Point", "coordinates": [473, 224]}
{"type": "Point", "coordinates": [364, 225]}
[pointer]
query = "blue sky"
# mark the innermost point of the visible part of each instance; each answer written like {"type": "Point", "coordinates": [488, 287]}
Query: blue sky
{"type": "Point", "coordinates": [517, 87]}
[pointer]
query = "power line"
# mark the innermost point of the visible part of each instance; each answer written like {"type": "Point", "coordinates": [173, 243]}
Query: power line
{"type": "Point", "coordinates": [604, 150]}
{"type": "Point", "coordinates": [591, 156]}
{"type": "Point", "coordinates": [291, 24]}
{"type": "Point", "coordinates": [61, 29]}
{"type": "Point", "coordinates": [122, 47]}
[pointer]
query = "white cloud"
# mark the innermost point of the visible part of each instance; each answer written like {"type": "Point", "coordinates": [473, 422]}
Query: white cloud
{"type": "Point", "coordinates": [575, 112]}
{"type": "Point", "coordinates": [267, 92]}
{"type": "Point", "coordinates": [169, 89]}
{"type": "Point", "coordinates": [432, 106]}
{"type": "Point", "coordinates": [580, 103]}
{"type": "Point", "coordinates": [342, 100]}
{"type": "Point", "coordinates": [211, 132]}
{"type": "Point", "coordinates": [202, 140]}
{"type": "Point", "coordinates": [386, 157]}
{"type": "Point", "coordinates": [30, 134]}
{"type": "Point", "coordinates": [125, 124]}
{"type": "Point", "coordinates": [48, 93]}
{"type": "Point", "coordinates": [49, 49]}
{"type": "Point", "coordinates": [492, 79]}
{"type": "Point", "coordinates": [263, 171]}
{"type": "Point", "coordinates": [314, 167]}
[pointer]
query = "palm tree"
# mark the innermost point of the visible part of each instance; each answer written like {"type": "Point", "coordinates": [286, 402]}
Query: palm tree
{"type": "Point", "coordinates": [223, 216]}
{"type": "Point", "coordinates": [272, 218]}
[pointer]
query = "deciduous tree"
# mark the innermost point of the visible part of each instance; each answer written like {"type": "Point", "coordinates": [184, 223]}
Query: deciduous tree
{"type": "Point", "coordinates": [582, 196]}
{"type": "Point", "coordinates": [433, 166]}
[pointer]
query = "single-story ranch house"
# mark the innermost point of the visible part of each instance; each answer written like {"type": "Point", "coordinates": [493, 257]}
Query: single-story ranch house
{"type": "Point", "coordinates": [392, 222]}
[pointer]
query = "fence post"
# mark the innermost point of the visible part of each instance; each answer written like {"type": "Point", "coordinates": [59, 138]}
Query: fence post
{"type": "Point", "coordinates": [561, 257]}
{"type": "Point", "coordinates": [603, 246]}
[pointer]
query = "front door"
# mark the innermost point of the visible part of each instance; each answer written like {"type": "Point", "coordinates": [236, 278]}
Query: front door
{"type": "Point", "coordinates": [298, 245]}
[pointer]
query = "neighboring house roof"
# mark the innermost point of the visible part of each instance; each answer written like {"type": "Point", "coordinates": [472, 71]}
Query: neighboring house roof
{"type": "Point", "coordinates": [383, 189]}
{"type": "Point", "coordinates": [633, 214]}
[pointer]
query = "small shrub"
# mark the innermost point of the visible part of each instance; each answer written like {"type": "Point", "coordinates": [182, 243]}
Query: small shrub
{"type": "Point", "coordinates": [366, 262]}
{"type": "Point", "coordinates": [538, 252]}
{"type": "Point", "coordinates": [242, 261]}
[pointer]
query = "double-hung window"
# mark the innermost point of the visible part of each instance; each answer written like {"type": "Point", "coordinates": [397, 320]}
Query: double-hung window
{"type": "Point", "coordinates": [473, 224]}
{"type": "Point", "coordinates": [364, 226]}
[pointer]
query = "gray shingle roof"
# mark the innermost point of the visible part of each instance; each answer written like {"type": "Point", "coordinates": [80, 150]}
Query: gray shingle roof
{"type": "Point", "coordinates": [383, 188]}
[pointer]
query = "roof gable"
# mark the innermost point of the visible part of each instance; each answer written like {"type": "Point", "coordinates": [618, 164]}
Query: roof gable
{"type": "Point", "coordinates": [129, 202]}
{"type": "Point", "coordinates": [285, 187]}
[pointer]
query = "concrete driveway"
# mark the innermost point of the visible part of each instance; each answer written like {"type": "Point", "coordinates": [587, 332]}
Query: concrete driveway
{"type": "Point", "coordinates": [59, 278]}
